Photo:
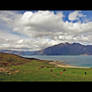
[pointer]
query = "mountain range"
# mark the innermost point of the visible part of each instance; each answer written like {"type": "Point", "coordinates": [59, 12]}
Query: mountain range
{"type": "Point", "coordinates": [18, 52]}
{"type": "Point", "coordinates": [59, 49]}
{"type": "Point", "coordinates": [67, 49]}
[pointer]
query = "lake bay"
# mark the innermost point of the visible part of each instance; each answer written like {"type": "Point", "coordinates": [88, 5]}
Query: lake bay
{"type": "Point", "coordinates": [78, 60]}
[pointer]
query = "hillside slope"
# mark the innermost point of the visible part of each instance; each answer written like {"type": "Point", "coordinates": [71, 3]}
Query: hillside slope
{"type": "Point", "coordinates": [12, 59]}
{"type": "Point", "coordinates": [24, 69]}
{"type": "Point", "coordinates": [67, 49]}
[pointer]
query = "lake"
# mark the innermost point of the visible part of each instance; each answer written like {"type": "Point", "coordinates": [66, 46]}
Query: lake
{"type": "Point", "coordinates": [78, 60]}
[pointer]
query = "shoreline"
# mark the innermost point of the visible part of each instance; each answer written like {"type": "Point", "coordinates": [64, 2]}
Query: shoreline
{"type": "Point", "coordinates": [59, 63]}
{"type": "Point", "coordinates": [62, 64]}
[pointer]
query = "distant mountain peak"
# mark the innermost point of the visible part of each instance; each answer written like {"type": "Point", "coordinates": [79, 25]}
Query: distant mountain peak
{"type": "Point", "coordinates": [59, 49]}
{"type": "Point", "coordinates": [68, 49]}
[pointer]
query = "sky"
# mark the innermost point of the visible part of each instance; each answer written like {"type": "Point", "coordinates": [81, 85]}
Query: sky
{"type": "Point", "coordinates": [37, 29]}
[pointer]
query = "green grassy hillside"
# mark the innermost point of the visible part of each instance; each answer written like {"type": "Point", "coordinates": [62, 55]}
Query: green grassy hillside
{"type": "Point", "coordinates": [22, 69]}
{"type": "Point", "coordinates": [11, 59]}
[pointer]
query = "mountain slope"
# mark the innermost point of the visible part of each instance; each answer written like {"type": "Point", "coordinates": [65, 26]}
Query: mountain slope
{"type": "Point", "coordinates": [19, 52]}
{"type": "Point", "coordinates": [59, 49]}
{"type": "Point", "coordinates": [67, 49]}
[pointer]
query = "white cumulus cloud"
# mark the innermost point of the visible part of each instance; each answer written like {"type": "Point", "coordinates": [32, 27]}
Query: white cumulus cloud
{"type": "Point", "coordinates": [41, 29]}
{"type": "Point", "coordinates": [75, 15]}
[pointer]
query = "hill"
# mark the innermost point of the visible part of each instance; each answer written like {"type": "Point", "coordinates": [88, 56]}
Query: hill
{"type": "Point", "coordinates": [59, 49]}
{"type": "Point", "coordinates": [14, 68]}
{"type": "Point", "coordinates": [7, 59]}
{"type": "Point", "coordinates": [67, 49]}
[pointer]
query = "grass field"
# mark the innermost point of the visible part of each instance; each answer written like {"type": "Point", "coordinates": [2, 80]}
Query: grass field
{"type": "Point", "coordinates": [37, 70]}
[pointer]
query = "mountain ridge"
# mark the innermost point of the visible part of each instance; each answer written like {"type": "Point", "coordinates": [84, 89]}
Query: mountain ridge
{"type": "Point", "coordinates": [58, 49]}
{"type": "Point", "coordinates": [67, 49]}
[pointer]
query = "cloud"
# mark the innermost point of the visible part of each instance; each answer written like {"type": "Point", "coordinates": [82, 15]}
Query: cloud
{"type": "Point", "coordinates": [41, 29]}
{"type": "Point", "coordinates": [75, 15]}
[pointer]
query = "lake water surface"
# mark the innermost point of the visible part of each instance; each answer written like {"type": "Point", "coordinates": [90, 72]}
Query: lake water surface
{"type": "Point", "coordinates": [78, 60]}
